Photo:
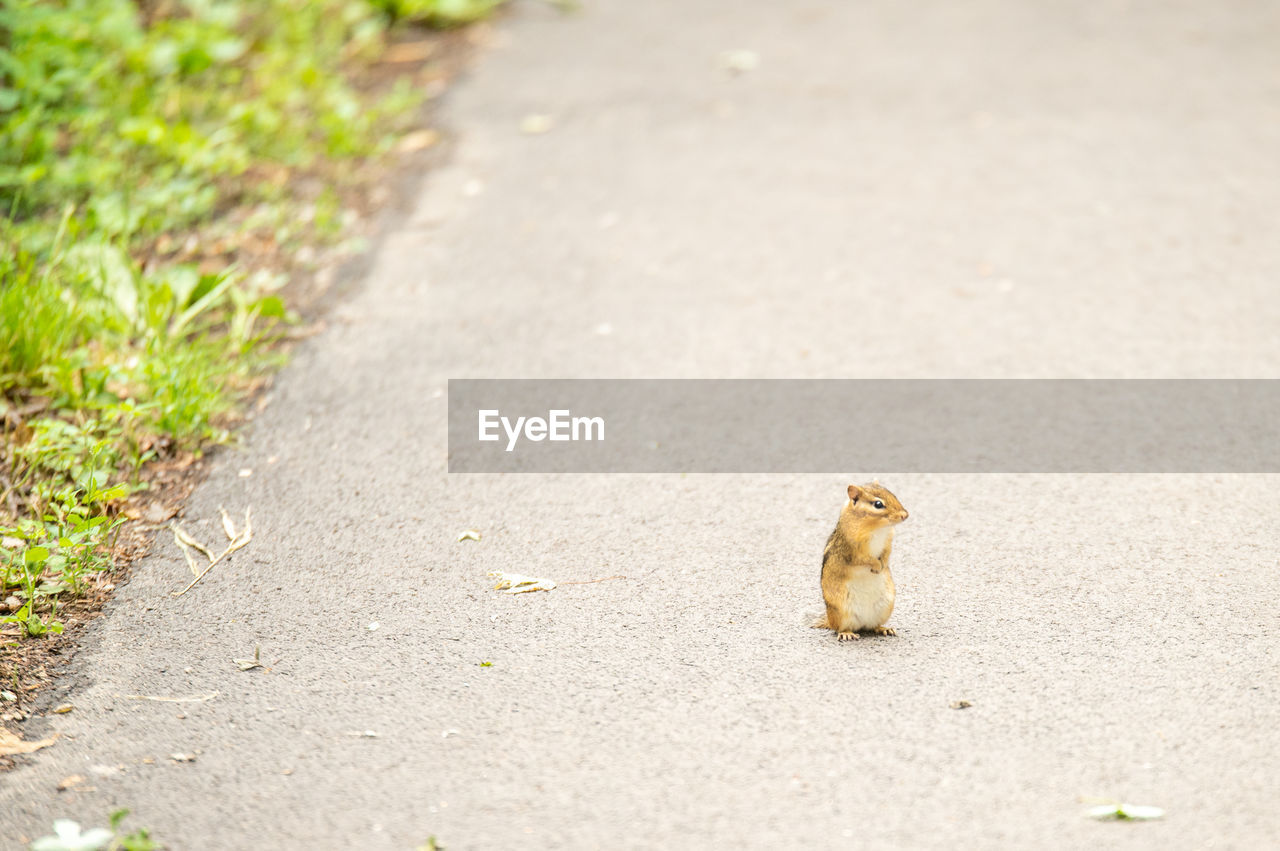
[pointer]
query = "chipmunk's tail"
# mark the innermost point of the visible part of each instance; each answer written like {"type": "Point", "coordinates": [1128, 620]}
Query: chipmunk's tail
{"type": "Point", "coordinates": [820, 623]}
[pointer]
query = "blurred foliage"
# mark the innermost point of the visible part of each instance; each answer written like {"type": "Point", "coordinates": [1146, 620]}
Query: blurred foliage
{"type": "Point", "coordinates": [135, 115]}
{"type": "Point", "coordinates": [127, 125]}
{"type": "Point", "coordinates": [441, 13]}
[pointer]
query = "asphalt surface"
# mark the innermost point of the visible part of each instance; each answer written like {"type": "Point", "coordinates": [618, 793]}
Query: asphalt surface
{"type": "Point", "coordinates": [897, 190]}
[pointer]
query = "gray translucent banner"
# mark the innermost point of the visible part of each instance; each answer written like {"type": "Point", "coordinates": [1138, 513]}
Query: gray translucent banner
{"type": "Point", "coordinates": [825, 426]}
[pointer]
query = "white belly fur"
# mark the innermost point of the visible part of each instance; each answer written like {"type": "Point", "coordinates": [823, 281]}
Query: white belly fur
{"type": "Point", "coordinates": [879, 538]}
{"type": "Point", "coordinates": [869, 601]}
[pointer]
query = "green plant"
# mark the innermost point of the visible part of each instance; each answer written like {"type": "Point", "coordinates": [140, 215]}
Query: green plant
{"type": "Point", "coordinates": [140, 121]}
{"type": "Point", "coordinates": [138, 840]}
{"type": "Point", "coordinates": [441, 13]}
{"type": "Point", "coordinates": [68, 836]}
{"type": "Point", "coordinates": [140, 142]}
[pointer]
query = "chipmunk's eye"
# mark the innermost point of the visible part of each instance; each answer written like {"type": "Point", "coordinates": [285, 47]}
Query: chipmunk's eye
{"type": "Point", "coordinates": [878, 504]}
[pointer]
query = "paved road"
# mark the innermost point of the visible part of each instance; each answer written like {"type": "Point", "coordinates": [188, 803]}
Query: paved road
{"type": "Point", "coordinates": [899, 189]}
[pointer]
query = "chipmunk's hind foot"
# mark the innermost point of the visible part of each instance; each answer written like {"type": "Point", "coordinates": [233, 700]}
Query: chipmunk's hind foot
{"type": "Point", "coordinates": [846, 636]}
{"type": "Point", "coordinates": [885, 630]}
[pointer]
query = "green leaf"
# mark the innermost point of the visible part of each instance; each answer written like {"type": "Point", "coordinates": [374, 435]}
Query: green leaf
{"type": "Point", "coordinates": [227, 50]}
{"type": "Point", "coordinates": [271, 306]}
{"type": "Point", "coordinates": [202, 287]}
{"type": "Point", "coordinates": [35, 555]}
{"type": "Point", "coordinates": [202, 300]}
{"type": "Point", "coordinates": [183, 281]}
{"type": "Point", "coordinates": [112, 271]}
{"type": "Point", "coordinates": [111, 493]}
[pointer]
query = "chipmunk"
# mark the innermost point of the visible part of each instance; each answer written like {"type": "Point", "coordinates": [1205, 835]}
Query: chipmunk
{"type": "Point", "coordinates": [856, 583]}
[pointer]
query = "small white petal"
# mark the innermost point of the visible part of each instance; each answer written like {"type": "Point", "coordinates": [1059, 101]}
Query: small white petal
{"type": "Point", "coordinates": [533, 125]}
{"type": "Point", "coordinates": [96, 838]}
{"type": "Point", "coordinates": [66, 829]}
{"type": "Point", "coordinates": [1139, 811]}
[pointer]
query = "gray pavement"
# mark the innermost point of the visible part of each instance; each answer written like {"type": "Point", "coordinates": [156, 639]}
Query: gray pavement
{"type": "Point", "coordinates": [898, 190]}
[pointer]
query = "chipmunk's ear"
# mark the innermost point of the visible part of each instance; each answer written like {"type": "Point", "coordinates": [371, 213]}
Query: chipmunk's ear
{"type": "Point", "coordinates": [854, 492]}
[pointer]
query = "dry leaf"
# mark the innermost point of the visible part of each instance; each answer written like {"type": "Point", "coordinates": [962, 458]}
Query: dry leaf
{"type": "Point", "coordinates": [418, 140]}
{"type": "Point", "coordinates": [10, 744]}
{"type": "Point", "coordinates": [516, 583]}
{"type": "Point", "coordinates": [157, 514]}
{"type": "Point", "coordinates": [408, 51]}
{"type": "Point", "coordinates": [63, 709]}
{"type": "Point", "coordinates": [250, 664]}
{"type": "Point", "coordinates": [468, 535]}
{"type": "Point", "coordinates": [960, 704]}
{"type": "Point", "coordinates": [71, 780]}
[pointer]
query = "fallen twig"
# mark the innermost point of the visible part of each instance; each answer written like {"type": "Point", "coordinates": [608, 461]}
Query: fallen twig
{"type": "Point", "coordinates": [184, 541]}
{"type": "Point", "coordinates": [178, 536]}
{"type": "Point", "coordinates": [592, 581]}
{"type": "Point", "coordinates": [228, 528]}
{"type": "Point", "coordinates": [199, 698]}
{"type": "Point", "coordinates": [239, 541]}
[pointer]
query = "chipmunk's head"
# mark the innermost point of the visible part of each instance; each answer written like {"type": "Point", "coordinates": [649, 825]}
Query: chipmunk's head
{"type": "Point", "coordinates": [874, 505]}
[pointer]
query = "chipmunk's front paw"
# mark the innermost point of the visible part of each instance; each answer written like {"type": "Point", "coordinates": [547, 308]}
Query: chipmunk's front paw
{"type": "Point", "coordinates": [846, 636]}
{"type": "Point", "coordinates": [885, 630]}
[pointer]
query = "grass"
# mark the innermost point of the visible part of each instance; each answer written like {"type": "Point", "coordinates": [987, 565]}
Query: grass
{"type": "Point", "coordinates": [139, 139]}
